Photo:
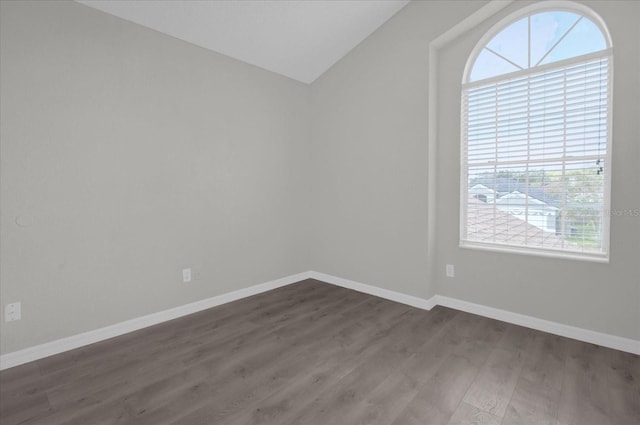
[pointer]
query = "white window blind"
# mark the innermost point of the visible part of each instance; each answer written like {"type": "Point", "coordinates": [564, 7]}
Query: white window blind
{"type": "Point", "coordinates": [535, 158]}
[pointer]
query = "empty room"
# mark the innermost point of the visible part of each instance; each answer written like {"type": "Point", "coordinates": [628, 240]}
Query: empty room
{"type": "Point", "coordinates": [320, 212]}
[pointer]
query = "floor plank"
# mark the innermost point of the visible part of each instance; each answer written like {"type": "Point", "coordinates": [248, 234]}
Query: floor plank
{"type": "Point", "coordinates": [439, 397]}
{"type": "Point", "coordinates": [466, 414]}
{"type": "Point", "coordinates": [624, 388]}
{"type": "Point", "coordinates": [532, 404]}
{"type": "Point", "coordinates": [584, 399]}
{"type": "Point", "coordinates": [492, 389]}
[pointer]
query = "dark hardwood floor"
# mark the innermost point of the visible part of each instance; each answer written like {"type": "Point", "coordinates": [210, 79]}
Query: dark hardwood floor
{"type": "Point", "coordinates": [313, 353]}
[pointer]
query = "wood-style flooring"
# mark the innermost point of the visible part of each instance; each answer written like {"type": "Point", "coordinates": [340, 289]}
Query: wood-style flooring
{"type": "Point", "coordinates": [313, 353]}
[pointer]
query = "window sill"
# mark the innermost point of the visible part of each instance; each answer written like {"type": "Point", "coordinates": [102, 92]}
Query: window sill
{"type": "Point", "coordinates": [549, 253]}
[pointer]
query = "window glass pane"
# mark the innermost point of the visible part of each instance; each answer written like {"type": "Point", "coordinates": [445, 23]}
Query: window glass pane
{"type": "Point", "coordinates": [584, 38]}
{"type": "Point", "coordinates": [534, 149]}
{"type": "Point", "coordinates": [546, 30]}
{"type": "Point", "coordinates": [489, 65]}
{"type": "Point", "coordinates": [555, 205]}
{"type": "Point", "coordinates": [512, 43]}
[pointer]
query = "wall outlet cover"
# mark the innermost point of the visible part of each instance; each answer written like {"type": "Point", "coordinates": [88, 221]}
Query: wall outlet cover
{"type": "Point", "coordinates": [186, 275]}
{"type": "Point", "coordinates": [451, 270]}
{"type": "Point", "coordinates": [12, 312]}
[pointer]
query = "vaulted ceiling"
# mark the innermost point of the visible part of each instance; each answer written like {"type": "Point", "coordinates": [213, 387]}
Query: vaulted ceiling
{"type": "Point", "coordinates": [299, 39]}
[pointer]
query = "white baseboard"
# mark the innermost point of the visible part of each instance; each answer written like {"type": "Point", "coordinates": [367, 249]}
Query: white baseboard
{"type": "Point", "coordinates": [425, 304]}
{"type": "Point", "coordinates": [585, 335]}
{"type": "Point", "coordinates": [75, 341]}
{"type": "Point", "coordinates": [54, 347]}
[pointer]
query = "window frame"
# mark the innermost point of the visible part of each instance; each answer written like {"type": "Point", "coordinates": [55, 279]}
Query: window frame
{"type": "Point", "coordinates": [560, 6]}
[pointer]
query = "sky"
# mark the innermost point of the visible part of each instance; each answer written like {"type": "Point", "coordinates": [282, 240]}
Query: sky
{"type": "Point", "coordinates": [514, 48]}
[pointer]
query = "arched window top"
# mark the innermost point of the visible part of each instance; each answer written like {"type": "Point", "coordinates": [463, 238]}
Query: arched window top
{"type": "Point", "coordinates": [535, 38]}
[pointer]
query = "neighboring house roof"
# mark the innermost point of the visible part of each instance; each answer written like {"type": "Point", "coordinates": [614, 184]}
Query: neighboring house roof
{"type": "Point", "coordinates": [489, 224]}
{"type": "Point", "coordinates": [480, 188]}
{"type": "Point", "coordinates": [508, 185]}
{"type": "Point", "coordinates": [516, 198]}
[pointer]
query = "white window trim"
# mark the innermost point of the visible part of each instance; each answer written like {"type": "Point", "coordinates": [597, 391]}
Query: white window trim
{"type": "Point", "coordinates": [568, 6]}
{"type": "Point", "coordinates": [546, 252]}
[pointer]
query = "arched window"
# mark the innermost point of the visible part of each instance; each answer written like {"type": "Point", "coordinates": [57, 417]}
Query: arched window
{"type": "Point", "coordinates": [536, 135]}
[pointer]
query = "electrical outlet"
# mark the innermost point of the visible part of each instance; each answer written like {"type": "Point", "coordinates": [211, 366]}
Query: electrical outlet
{"type": "Point", "coordinates": [186, 275]}
{"type": "Point", "coordinates": [12, 312]}
{"type": "Point", "coordinates": [451, 270]}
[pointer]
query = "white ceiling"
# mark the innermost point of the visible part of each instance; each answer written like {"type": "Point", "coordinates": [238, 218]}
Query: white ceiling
{"type": "Point", "coordinates": [300, 39]}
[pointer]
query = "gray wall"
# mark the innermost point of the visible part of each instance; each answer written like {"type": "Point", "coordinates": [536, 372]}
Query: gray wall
{"type": "Point", "coordinates": [128, 155]}
{"type": "Point", "coordinates": [370, 179]}
{"type": "Point", "coordinates": [369, 159]}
